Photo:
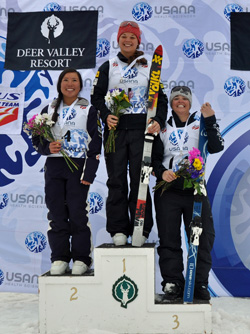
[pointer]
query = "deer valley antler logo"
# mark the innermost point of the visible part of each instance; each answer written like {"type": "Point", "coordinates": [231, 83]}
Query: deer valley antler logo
{"type": "Point", "coordinates": [51, 28]}
{"type": "Point", "coordinates": [124, 290]}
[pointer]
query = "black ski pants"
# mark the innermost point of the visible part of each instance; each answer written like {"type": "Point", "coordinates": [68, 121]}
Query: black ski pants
{"type": "Point", "coordinates": [69, 232]}
{"type": "Point", "coordinates": [122, 197]}
{"type": "Point", "coordinates": [170, 208]}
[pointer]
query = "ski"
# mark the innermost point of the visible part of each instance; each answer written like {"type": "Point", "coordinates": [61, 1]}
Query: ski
{"type": "Point", "coordinates": [146, 169]}
{"type": "Point", "coordinates": [195, 226]}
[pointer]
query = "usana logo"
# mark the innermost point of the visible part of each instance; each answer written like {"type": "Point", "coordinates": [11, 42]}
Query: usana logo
{"type": "Point", "coordinates": [1, 277]}
{"type": "Point", "coordinates": [102, 47]}
{"type": "Point", "coordinates": [170, 84]}
{"type": "Point", "coordinates": [124, 290]}
{"type": "Point", "coordinates": [173, 10]}
{"type": "Point", "coordinates": [55, 7]}
{"type": "Point", "coordinates": [4, 11]}
{"type": "Point", "coordinates": [233, 7]}
{"type": "Point", "coordinates": [217, 47]}
{"type": "Point", "coordinates": [24, 200]}
{"type": "Point", "coordinates": [36, 242]}
{"type": "Point", "coordinates": [193, 48]}
{"type": "Point", "coordinates": [4, 199]}
{"type": "Point", "coordinates": [95, 202]}
{"type": "Point", "coordinates": [234, 86]}
{"type": "Point", "coordinates": [16, 279]}
{"type": "Point", "coordinates": [142, 11]}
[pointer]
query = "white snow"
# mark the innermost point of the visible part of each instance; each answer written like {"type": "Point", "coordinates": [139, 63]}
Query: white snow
{"type": "Point", "coordinates": [19, 315]}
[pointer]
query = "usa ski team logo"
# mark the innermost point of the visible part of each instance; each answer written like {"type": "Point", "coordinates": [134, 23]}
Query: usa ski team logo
{"type": "Point", "coordinates": [193, 48]}
{"type": "Point", "coordinates": [234, 86]}
{"type": "Point", "coordinates": [95, 202]}
{"type": "Point", "coordinates": [102, 47]}
{"type": "Point", "coordinates": [72, 114]}
{"type": "Point", "coordinates": [52, 7]}
{"type": "Point", "coordinates": [233, 7]}
{"type": "Point", "coordinates": [131, 73]}
{"type": "Point", "coordinates": [1, 277]}
{"type": "Point", "coordinates": [142, 11]}
{"type": "Point", "coordinates": [36, 242]}
{"type": "Point", "coordinates": [4, 199]}
{"type": "Point", "coordinates": [124, 290]}
{"type": "Point", "coordinates": [173, 138]}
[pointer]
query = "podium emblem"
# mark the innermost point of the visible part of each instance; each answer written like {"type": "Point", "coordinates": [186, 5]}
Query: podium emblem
{"type": "Point", "coordinates": [124, 290]}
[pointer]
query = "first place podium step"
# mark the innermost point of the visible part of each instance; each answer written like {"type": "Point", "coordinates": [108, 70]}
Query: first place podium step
{"type": "Point", "coordinates": [117, 297]}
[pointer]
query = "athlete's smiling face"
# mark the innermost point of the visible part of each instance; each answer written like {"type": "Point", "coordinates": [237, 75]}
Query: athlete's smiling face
{"type": "Point", "coordinates": [181, 105]}
{"type": "Point", "coordinates": [128, 43]}
{"type": "Point", "coordinates": [70, 87]}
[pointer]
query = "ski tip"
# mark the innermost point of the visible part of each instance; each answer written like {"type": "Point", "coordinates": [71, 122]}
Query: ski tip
{"type": "Point", "coordinates": [159, 50]}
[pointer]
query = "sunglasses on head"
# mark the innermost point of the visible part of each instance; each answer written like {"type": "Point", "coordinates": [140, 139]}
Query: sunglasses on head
{"type": "Point", "coordinates": [183, 89]}
{"type": "Point", "coordinates": [127, 23]}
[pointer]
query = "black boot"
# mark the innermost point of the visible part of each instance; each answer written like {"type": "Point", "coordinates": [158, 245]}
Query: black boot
{"type": "Point", "coordinates": [201, 292]}
{"type": "Point", "coordinates": [173, 291]}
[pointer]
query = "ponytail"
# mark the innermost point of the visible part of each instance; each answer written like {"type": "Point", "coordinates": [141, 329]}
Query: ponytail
{"type": "Point", "coordinates": [142, 61]}
{"type": "Point", "coordinates": [58, 102]}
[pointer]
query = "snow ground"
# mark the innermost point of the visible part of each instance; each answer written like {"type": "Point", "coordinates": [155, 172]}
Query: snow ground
{"type": "Point", "coordinates": [19, 315]}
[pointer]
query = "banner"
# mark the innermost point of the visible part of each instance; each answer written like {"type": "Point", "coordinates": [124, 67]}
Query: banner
{"type": "Point", "coordinates": [51, 41]}
{"type": "Point", "coordinates": [240, 47]}
{"type": "Point", "coordinates": [11, 110]}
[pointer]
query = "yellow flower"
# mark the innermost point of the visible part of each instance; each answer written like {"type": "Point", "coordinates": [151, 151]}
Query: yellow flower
{"type": "Point", "coordinates": [125, 97]}
{"type": "Point", "coordinates": [197, 164]}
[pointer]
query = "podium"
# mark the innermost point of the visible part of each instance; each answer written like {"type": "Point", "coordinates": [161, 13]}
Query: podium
{"type": "Point", "coordinates": [117, 296]}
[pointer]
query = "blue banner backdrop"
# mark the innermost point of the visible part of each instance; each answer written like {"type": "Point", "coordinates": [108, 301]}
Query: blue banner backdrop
{"type": "Point", "coordinates": [196, 52]}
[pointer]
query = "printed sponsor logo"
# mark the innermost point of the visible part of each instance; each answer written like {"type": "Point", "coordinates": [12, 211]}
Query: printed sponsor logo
{"type": "Point", "coordinates": [170, 84]}
{"type": "Point", "coordinates": [4, 199]}
{"type": "Point", "coordinates": [193, 48]}
{"type": "Point", "coordinates": [173, 138]}
{"type": "Point", "coordinates": [52, 7]}
{"type": "Point", "coordinates": [1, 277]}
{"type": "Point", "coordinates": [9, 105]}
{"type": "Point", "coordinates": [95, 202]}
{"type": "Point", "coordinates": [55, 7]}
{"type": "Point", "coordinates": [233, 7]}
{"type": "Point", "coordinates": [174, 11]}
{"type": "Point", "coordinates": [5, 11]}
{"type": "Point", "coordinates": [131, 73]}
{"type": "Point", "coordinates": [19, 279]}
{"type": "Point", "coordinates": [102, 47]}
{"type": "Point", "coordinates": [142, 11]}
{"type": "Point", "coordinates": [215, 48]}
{"type": "Point", "coordinates": [51, 28]}
{"type": "Point", "coordinates": [234, 86]}
{"type": "Point", "coordinates": [124, 290]}
{"type": "Point", "coordinates": [55, 29]}
{"type": "Point", "coordinates": [36, 242]}
{"type": "Point", "coordinates": [27, 201]}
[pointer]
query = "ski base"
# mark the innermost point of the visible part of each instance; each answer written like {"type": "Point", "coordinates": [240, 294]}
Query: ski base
{"type": "Point", "coordinates": [154, 84]}
{"type": "Point", "coordinates": [196, 226]}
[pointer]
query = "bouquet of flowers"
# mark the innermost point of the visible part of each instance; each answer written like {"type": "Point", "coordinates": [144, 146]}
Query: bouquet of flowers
{"type": "Point", "coordinates": [192, 170]}
{"type": "Point", "coordinates": [40, 125]}
{"type": "Point", "coordinates": [116, 100]}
